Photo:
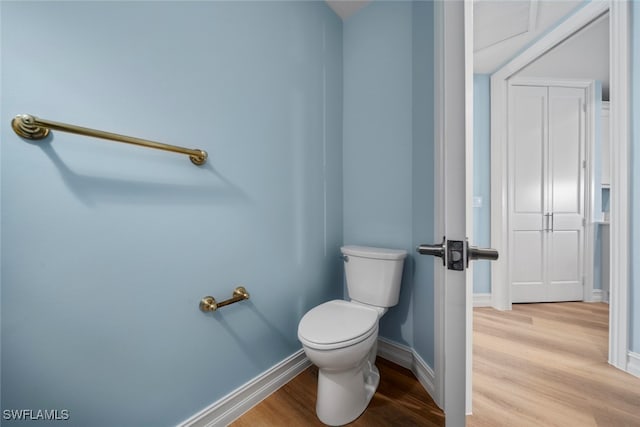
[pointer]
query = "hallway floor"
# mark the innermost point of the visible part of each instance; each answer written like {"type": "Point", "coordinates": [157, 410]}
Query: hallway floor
{"type": "Point", "coordinates": [546, 365]}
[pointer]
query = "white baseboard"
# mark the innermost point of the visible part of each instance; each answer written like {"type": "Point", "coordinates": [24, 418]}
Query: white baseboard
{"type": "Point", "coordinates": [396, 353]}
{"type": "Point", "coordinates": [239, 401]}
{"type": "Point", "coordinates": [633, 363]}
{"type": "Point", "coordinates": [425, 375]}
{"type": "Point", "coordinates": [408, 358]}
{"type": "Point", "coordinates": [482, 300]}
{"type": "Point", "coordinates": [597, 295]}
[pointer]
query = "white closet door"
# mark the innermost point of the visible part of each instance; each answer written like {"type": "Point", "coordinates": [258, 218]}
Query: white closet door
{"type": "Point", "coordinates": [566, 193]}
{"type": "Point", "coordinates": [527, 195]}
{"type": "Point", "coordinates": [546, 153]}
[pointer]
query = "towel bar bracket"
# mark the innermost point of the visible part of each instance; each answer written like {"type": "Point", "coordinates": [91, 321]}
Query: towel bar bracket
{"type": "Point", "coordinates": [24, 125]}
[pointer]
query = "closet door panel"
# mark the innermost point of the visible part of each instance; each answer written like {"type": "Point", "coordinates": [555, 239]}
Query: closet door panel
{"type": "Point", "coordinates": [564, 257]}
{"type": "Point", "coordinates": [566, 136]}
{"type": "Point", "coordinates": [565, 266]}
{"type": "Point", "coordinates": [566, 189]}
{"type": "Point", "coordinates": [527, 273]}
{"type": "Point", "coordinates": [528, 139]}
{"type": "Point", "coordinates": [528, 257]}
{"type": "Point", "coordinates": [527, 197]}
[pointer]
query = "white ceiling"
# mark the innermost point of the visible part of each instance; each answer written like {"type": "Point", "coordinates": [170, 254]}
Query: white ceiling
{"type": "Point", "coordinates": [346, 8]}
{"type": "Point", "coordinates": [568, 59]}
{"type": "Point", "coordinates": [503, 28]}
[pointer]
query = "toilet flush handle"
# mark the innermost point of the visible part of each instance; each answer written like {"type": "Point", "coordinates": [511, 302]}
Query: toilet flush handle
{"type": "Point", "coordinates": [345, 258]}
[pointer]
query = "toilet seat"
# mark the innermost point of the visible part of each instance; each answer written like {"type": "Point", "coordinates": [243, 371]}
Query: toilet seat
{"type": "Point", "coordinates": [337, 324]}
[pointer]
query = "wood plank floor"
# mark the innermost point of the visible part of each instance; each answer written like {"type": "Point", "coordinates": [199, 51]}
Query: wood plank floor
{"type": "Point", "coordinates": [399, 401]}
{"type": "Point", "coordinates": [540, 365]}
{"type": "Point", "coordinates": [546, 365]}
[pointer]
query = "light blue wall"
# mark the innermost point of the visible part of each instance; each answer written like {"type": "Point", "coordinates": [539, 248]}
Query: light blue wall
{"type": "Point", "coordinates": [423, 179]}
{"type": "Point", "coordinates": [378, 142]}
{"type": "Point", "coordinates": [388, 152]}
{"type": "Point", "coordinates": [108, 248]}
{"type": "Point", "coordinates": [482, 178]}
{"type": "Point", "coordinates": [635, 181]}
{"type": "Point", "coordinates": [605, 199]}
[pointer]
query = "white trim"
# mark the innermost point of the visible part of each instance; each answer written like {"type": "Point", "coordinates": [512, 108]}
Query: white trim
{"type": "Point", "coordinates": [501, 292]}
{"type": "Point", "coordinates": [424, 374]}
{"type": "Point", "coordinates": [619, 35]}
{"type": "Point", "coordinates": [439, 199]}
{"type": "Point", "coordinates": [633, 363]}
{"type": "Point", "coordinates": [543, 81]}
{"type": "Point", "coordinates": [597, 296]}
{"type": "Point", "coordinates": [239, 401]}
{"type": "Point", "coordinates": [410, 359]}
{"type": "Point", "coordinates": [469, 173]}
{"type": "Point", "coordinates": [397, 353]}
{"type": "Point", "coordinates": [482, 300]}
{"type": "Point", "coordinates": [590, 190]}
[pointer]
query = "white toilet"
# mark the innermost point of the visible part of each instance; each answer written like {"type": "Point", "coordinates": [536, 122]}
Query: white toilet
{"type": "Point", "coordinates": [340, 337]}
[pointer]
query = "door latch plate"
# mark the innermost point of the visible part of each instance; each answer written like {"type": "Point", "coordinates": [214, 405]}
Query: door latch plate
{"type": "Point", "coordinates": [455, 255]}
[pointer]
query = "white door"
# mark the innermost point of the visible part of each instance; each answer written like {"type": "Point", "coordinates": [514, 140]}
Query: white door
{"type": "Point", "coordinates": [450, 210]}
{"type": "Point", "coordinates": [546, 199]}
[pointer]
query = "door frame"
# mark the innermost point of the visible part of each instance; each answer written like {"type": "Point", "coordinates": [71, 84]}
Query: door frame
{"type": "Point", "coordinates": [588, 186]}
{"type": "Point", "coordinates": [619, 34]}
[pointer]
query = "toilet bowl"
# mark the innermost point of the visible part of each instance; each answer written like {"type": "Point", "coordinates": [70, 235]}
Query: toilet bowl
{"type": "Point", "coordinates": [347, 376]}
{"type": "Point", "coordinates": [340, 337]}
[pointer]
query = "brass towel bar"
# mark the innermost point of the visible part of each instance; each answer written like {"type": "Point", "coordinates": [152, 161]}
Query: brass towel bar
{"type": "Point", "coordinates": [32, 127]}
{"type": "Point", "coordinates": [210, 304]}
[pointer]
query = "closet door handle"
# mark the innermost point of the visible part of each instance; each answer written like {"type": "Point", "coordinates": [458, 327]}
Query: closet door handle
{"type": "Point", "coordinates": [548, 222]}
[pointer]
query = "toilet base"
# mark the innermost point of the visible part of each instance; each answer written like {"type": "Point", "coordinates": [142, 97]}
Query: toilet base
{"type": "Point", "coordinates": [343, 396]}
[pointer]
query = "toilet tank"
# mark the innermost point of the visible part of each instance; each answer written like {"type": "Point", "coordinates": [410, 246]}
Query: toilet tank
{"type": "Point", "coordinates": [373, 274]}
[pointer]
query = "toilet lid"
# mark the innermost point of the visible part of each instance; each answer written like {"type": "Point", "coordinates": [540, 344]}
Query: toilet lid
{"type": "Point", "coordinates": [337, 321]}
